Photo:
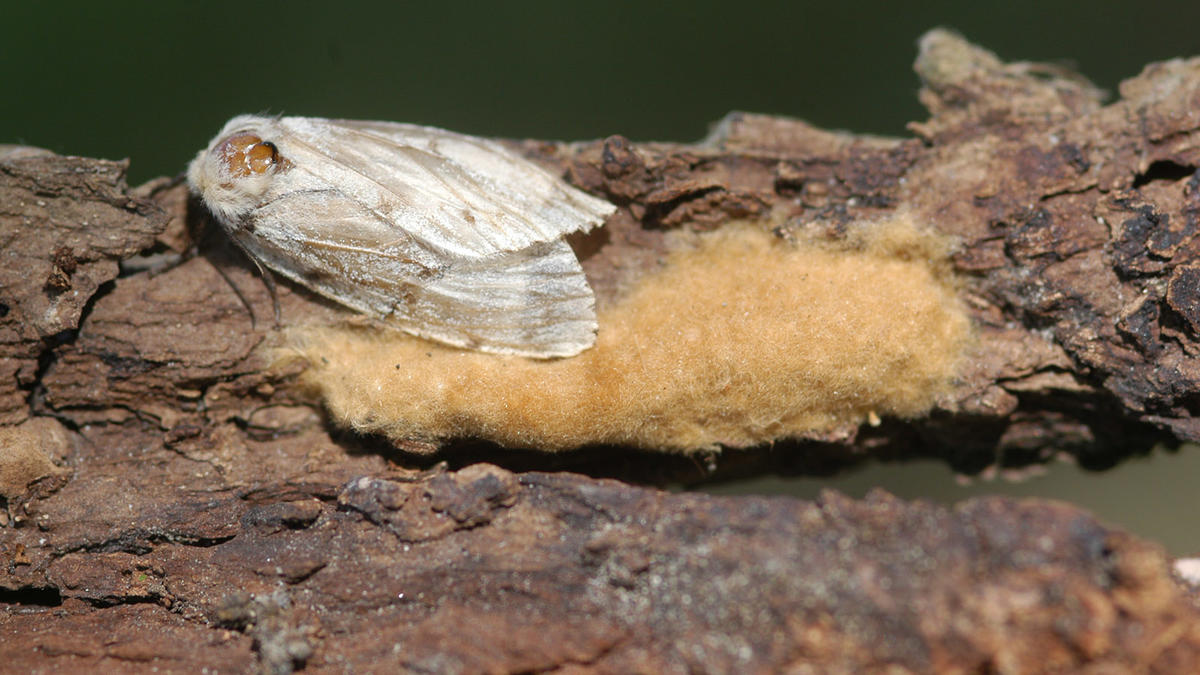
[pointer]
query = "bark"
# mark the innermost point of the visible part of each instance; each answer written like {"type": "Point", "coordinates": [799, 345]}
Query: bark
{"type": "Point", "coordinates": [171, 505]}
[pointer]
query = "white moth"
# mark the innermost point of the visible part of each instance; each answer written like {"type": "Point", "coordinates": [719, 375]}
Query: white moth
{"type": "Point", "coordinates": [449, 237]}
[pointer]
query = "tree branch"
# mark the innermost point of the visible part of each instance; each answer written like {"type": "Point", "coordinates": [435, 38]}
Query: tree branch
{"type": "Point", "coordinates": [169, 503]}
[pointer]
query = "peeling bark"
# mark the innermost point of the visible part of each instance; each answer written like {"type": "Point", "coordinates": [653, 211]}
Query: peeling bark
{"type": "Point", "coordinates": [203, 515]}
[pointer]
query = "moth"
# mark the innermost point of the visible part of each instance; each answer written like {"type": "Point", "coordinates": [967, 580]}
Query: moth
{"type": "Point", "coordinates": [446, 236]}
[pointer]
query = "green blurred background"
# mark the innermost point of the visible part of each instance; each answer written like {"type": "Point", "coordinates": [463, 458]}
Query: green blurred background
{"type": "Point", "coordinates": [153, 82]}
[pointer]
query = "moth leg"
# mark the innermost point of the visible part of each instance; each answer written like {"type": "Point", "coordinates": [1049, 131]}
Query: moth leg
{"type": "Point", "coordinates": [432, 472]}
{"type": "Point", "coordinates": [268, 278]}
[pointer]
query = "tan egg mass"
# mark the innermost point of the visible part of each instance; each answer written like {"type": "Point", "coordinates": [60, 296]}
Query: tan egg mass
{"type": "Point", "coordinates": [741, 338]}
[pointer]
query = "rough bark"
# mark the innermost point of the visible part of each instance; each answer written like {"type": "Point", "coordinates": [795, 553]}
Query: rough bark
{"type": "Point", "coordinates": [170, 505]}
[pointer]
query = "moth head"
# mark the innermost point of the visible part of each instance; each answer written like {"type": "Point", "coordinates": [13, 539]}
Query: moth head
{"type": "Point", "coordinates": [234, 172]}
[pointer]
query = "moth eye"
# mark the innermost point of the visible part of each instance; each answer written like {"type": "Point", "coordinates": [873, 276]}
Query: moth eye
{"type": "Point", "coordinates": [248, 155]}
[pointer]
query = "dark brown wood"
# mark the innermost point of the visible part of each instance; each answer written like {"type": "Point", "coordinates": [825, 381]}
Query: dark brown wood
{"type": "Point", "coordinates": [170, 505]}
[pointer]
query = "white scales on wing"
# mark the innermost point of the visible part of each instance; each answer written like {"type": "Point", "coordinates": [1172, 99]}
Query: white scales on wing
{"type": "Point", "coordinates": [446, 236]}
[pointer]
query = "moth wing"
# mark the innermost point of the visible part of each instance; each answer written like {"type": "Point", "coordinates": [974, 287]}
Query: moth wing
{"type": "Point", "coordinates": [467, 195]}
{"type": "Point", "coordinates": [532, 302]}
